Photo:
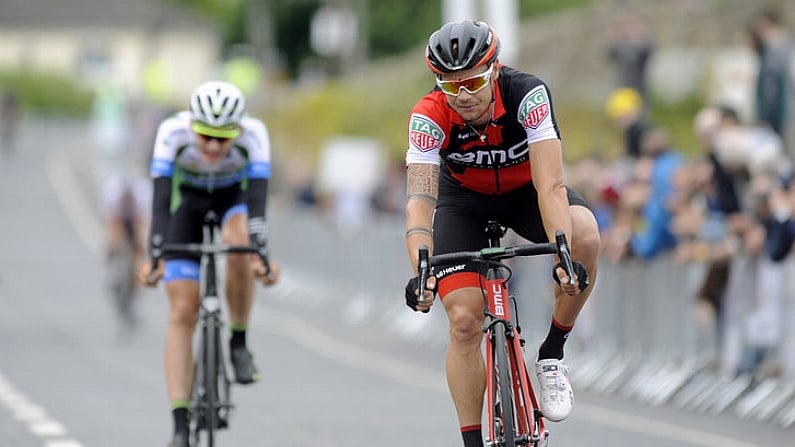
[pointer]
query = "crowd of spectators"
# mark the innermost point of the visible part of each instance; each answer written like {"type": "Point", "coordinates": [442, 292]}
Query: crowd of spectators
{"type": "Point", "coordinates": [730, 207]}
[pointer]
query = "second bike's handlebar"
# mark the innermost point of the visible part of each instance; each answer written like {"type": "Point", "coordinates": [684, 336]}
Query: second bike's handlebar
{"type": "Point", "coordinates": [209, 248]}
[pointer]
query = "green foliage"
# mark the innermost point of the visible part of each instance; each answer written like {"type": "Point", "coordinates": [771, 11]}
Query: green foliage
{"type": "Point", "coordinates": [677, 119]}
{"type": "Point", "coordinates": [392, 27]}
{"type": "Point", "coordinates": [586, 130]}
{"type": "Point", "coordinates": [530, 8]}
{"type": "Point", "coordinates": [352, 107]}
{"type": "Point", "coordinates": [398, 26]}
{"type": "Point", "coordinates": [292, 21]}
{"type": "Point", "coordinates": [228, 14]}
{"type": "Point", "coordinates": [47, 93]}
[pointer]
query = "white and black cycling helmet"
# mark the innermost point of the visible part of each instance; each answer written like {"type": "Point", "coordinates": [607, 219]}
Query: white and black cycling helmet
{"type": "Point", "coordinates": [460, 46]}
{"type": "Point", "coordinates": [216, 109]}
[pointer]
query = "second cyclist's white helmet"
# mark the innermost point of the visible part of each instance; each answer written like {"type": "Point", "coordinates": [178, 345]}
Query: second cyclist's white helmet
{"type": "Point", "coordinates": [216, 108]}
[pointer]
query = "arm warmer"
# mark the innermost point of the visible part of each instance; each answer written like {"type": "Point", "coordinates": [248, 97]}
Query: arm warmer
{"type": "Point", "coordinates": [161, 202]}
{"type": "Point", "coordinates": [257, 195]}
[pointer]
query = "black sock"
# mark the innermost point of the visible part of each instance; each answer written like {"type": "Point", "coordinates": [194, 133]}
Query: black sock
{"type": "Point", "coordinates": [180, 419]}
{"type": "Point", "coordinates": [473, 436]}
{"type": "Point", "coordinates": [238, 338]}
{"type": "Point", "coordinates": [552, 348]}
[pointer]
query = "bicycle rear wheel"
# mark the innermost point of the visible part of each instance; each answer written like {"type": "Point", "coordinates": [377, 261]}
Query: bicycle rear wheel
{"type": "Point", "coordinates": [502, 413]}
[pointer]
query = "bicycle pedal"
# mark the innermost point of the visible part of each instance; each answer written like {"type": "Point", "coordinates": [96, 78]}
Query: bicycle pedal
{"type": "Point", "coordinates": [220, 422]}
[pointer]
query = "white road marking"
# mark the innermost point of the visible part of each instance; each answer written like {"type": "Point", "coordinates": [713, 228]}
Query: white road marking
{"type": "Point", "coordinates": [34, 415]}
{"type": "Point", "coordinates": [80, 214]}
{"type": "Point", "coordinates": [63, 443]}
{"type": "Point", "coordinates": [73, 202]}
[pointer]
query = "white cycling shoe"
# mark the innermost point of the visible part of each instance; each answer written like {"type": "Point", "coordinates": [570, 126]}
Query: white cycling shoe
{"type": "Point", "coordinates": [556, 394]}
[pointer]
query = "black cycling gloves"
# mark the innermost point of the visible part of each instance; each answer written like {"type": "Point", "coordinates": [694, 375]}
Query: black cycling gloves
{"type": "Point", "coordinates": [411, 293]}
{"type": "Point", "coordinates": [579, 271]}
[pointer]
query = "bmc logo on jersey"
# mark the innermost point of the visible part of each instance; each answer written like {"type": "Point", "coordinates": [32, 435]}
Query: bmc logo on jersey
{"type": "Point", "coordinates": [424, 134]}
{"type": "Point", "coordinates": [534, 108]}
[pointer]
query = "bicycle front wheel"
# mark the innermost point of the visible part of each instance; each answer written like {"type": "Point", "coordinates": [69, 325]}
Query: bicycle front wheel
{"type": "Point", "coordinates": [204, 397]}
{"type": "Point", "coordinates": [502, 389]}
{"type": "Point", "coordinates": [211, 381]}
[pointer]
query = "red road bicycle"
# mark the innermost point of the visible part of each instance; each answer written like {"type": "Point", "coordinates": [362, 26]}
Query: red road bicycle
{"type": "Point", "coordinates": [514, 417]}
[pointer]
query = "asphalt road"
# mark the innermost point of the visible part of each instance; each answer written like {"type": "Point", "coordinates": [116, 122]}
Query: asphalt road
{"type": "Point", "coordinates": [344, 362]}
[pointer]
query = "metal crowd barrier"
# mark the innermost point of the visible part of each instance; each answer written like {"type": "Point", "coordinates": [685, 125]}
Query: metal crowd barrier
{"type": "Point", "coordinates": [641, 335]}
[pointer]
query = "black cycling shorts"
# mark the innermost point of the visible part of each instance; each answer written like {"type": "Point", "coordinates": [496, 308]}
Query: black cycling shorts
{"type": "Point", "coordinates": [186, 223]}
{"type": "Point", "coordinates": [460, 221]}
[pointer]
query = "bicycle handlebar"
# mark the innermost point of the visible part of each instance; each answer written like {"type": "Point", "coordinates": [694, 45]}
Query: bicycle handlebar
{"type": "Point", "coordinates": [559, 247]}
{"type": "Point", "coordinates": [209, 248]}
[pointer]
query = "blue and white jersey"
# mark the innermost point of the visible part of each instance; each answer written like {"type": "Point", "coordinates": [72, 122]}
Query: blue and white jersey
{"type": "Point", "coordinates": [176, 155]}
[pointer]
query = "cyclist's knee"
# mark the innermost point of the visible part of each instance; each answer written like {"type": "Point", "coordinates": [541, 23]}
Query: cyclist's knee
{"type": "Point", "coordinates": [183, 315]}
{"type": "Point", "coordinates": [183, 303]}
{"type": "Point", "coordinates": [235, 230]}
{"type": "Point", "coordinates": [586, 239]}
{"type": "Point", "coordinates": [466, 328]}
{"type": "Point", "coordinates": [236, 237]}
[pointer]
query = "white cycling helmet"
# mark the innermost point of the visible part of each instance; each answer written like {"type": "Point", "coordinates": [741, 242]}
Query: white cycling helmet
{"type": "Point", "coordinates": [216, 108]}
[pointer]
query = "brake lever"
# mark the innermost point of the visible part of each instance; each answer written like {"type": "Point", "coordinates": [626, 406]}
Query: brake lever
{"type": "Point", "coordinates": [565, 255]}
{"type": "Point", "coordinates": [157, 253]}
{"type": "Point", "coordinates": [423, 270]}
{"type": "Point", "coordinates": [262, 252]}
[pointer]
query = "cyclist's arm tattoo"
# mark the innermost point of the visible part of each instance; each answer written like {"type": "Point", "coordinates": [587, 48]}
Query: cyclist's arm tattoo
{"type": "Point", "coordinates": [423, 230]}
{"type": "Point", "coordinates": [422, 182]}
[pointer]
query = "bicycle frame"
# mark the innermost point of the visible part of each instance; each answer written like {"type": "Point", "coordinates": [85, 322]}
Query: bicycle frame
{"type": "Point", "coordinates": [501, 333]}
{"type": "Point", "coordinates": [211, 391]}
{"type": "Point", "coordinates": [521, 423]}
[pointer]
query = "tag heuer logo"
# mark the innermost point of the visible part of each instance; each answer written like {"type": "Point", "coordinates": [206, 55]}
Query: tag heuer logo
{"type": "Point", "coordinates": [534, 108]}
{"type": "Point", "coordinates": [424, 133]}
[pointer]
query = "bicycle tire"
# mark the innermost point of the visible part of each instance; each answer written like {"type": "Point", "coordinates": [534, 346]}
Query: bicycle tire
{"type": "Point", "coordinates": [211, 380]}
{"type": "Point", "coordinates": [196, 402]}
{"type": "Point", "coordinates": [504, 387]}
{"type": "Point", "coordinates": [121, 282]}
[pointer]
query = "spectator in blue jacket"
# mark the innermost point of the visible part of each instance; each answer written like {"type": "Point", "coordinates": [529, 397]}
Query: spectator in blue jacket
{"type": "Point", "coordinates": [655, 235]}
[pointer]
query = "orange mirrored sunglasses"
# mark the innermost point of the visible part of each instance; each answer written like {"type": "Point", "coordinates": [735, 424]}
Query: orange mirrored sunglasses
{"type": "Point", "coordinates": [472, 84]}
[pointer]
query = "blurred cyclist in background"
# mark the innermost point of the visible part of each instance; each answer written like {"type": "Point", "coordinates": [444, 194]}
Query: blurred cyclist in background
{"type": "Point", "coordinates": [210, 157]}
{"type": "Point", "coordinates": [126, 201]}
{"type": "Point", "coordinates": [484, 145]}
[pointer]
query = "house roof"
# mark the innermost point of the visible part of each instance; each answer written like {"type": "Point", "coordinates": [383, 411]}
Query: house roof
{"type": "Point", "coordinates": [91, 13]}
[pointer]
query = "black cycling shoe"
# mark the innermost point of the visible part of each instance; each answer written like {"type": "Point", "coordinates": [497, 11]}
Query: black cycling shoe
{"type": "Point", "coordinates": [180, 440]}
{"type": "Point", "coordinates": [243, 364]}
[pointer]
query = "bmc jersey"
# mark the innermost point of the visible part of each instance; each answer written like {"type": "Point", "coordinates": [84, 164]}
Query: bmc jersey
{"type": "Point", "coordinates": [490, 161]}
{"type": "Point", "coordinates": [176, 155]}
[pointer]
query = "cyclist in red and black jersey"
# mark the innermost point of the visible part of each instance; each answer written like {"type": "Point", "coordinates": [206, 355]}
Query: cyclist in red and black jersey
{"type": "Point", "coordinates": [484, 145]}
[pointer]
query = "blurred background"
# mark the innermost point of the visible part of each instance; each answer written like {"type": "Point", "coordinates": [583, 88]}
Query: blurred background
{"type": "Point", "coordinates": [676, 125]}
